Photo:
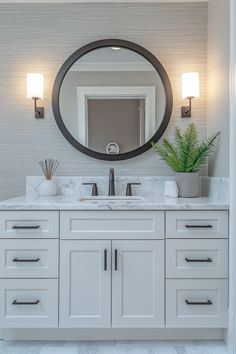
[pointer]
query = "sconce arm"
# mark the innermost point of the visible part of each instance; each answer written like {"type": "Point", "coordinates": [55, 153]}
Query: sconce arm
{"type": "Point", "coordinates": [38, 111]}
{"type": "Point", "coordinates": [186, 111]}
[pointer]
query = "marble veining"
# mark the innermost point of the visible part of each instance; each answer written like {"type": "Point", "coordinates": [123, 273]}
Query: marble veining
{"type": "Point", "coordinates": [113, 347]}
{"type": "Point", "coordinates": [74, 203]}
{"type": "Point", "coordinates": [150, 187]}
{"type": "Point", "coordinates": [71, 192]}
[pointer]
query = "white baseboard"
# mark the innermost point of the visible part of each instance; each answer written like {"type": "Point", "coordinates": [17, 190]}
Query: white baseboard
{"type": "Point", "coordinates": [114, 334]}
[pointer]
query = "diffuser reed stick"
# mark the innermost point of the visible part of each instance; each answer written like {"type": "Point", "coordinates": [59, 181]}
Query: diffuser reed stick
{"type": "Point", "coordinates": [49, 167]}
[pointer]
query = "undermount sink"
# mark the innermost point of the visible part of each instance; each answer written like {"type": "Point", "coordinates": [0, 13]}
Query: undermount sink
{"type": "Point", "coordinates": [108, 199]}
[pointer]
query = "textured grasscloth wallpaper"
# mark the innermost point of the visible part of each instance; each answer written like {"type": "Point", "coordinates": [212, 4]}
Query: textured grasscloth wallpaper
{"type": "Point", "coordinates": [38, 38]}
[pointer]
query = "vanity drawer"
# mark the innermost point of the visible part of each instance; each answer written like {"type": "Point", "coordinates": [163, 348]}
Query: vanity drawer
{"type": "Point", "coordinates": [28, 258]}
{"type": "Point", "coordinates": [196, 224]}
{"type": "Point", "coordinates": [196, 303]}
{"type": "Point", "coordinates": [29, 224]}
{"type": "Point", "coordinates": [112, 224]}
{"type": "Point", "coordinates": [197, 258]}
{"type": "Point", "coordinates": [30, 303]}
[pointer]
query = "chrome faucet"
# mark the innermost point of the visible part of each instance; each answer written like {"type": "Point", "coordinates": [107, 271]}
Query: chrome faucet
{"type": "Point", "coordinates": [111, 191]}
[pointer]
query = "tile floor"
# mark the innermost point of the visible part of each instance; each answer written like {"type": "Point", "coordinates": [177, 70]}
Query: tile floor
{"type": "Point", "coordinates": [113, 347]}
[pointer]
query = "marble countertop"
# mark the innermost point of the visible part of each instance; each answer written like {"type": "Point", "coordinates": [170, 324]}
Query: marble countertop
{"type": "Point", "coordinates": [61, 202]}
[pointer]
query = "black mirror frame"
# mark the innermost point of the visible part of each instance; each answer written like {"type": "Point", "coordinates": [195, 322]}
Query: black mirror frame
{"type": "Point", "coordinates": [112, 43]}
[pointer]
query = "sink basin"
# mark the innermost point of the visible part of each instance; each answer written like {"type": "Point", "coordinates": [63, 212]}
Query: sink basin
{"type": "Point", "coordinates": [111, 199]}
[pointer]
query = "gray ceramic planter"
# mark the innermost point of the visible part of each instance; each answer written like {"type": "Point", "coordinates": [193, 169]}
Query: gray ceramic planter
{"type": "Point", "coordinates": [188, 184]}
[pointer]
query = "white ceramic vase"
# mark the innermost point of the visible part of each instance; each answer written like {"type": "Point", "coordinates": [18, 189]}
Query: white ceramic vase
{"type": "Point", "coordinates": [47, 188]}
{"type": "Point", "coordinates": [171, 189]}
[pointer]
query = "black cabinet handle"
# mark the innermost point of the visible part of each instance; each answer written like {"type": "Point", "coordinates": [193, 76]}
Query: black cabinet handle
{"type": "Point", "coordinates": [15, 302]}
{"type": "Point", "coordinates": [33, 227]}
{"type": "Point", "coordinates": [26, 260]}
{"type": "Point", "coordinates": [199, 226]}
{"type": "Point", "coordinates": [116, 254]}
{"type": "Point", "coordinates": [105, 260]}
{"type": "Point", "coordinates": [208, 302]}
{"type": "Point", "coordinates": [206, 260]}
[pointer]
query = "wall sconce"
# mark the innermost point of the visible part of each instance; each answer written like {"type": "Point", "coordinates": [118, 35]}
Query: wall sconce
{"type": "Point", "coordinates": [35, 87]}
{"type": "Point", "coordinates": [190, 90]}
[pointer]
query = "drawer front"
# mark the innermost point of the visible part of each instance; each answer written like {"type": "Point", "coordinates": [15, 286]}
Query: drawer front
{"type": "Point", "coordinates": [196, 303]}
{"type": "Point", "coordinates": [197, 224]}
{"type": "Point", "coordinates": [197, 258]}
{"type": "Point", "coordinates": [31, 303]}
{"type": "Point", "coordinates": [29, 224]}
{"type": "Point", "coordinates": [112, 224]}
{"type": "Point", "coordinates": [28, 258]}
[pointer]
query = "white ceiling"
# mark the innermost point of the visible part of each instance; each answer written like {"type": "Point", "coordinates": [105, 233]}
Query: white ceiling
{"type": "Point", "coordinates": [90, 1]}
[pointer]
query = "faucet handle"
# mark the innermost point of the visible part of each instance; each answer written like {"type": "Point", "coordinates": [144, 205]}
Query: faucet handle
{"type": "Point", "coordinates": [129, 188]}
{"type": "Point", "coordinates": [94, 189]}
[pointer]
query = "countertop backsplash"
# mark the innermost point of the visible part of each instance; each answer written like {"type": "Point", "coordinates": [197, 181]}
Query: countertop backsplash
{"type": "Point", "coordinates": [216, 188]}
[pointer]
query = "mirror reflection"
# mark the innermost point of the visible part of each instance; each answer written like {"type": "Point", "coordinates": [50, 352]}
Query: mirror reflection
{"type": "Point", "coordinates": [112, 100]}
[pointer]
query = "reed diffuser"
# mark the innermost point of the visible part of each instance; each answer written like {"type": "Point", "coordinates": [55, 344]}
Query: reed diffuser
{"type": "Point", "coordinates": [48, 187]}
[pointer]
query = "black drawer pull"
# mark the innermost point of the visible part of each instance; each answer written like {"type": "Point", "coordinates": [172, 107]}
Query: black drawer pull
{"type": "Point", "coordinates": [105, 260]}
{"type": "Point", "coordinates": [208, 302]}
{"type": "Point", "coordinates": [15, 302]}
{"type": "Point", "coordinates": [206, 260]}
{"type": "Point", "coordinates": [116, 254]}
{"type": "Point", "coordinates": [33, 227]}
{"type": "Point", "coordinates": [26, 260]}
{"type": "Point", "coordinates": [199, 226]}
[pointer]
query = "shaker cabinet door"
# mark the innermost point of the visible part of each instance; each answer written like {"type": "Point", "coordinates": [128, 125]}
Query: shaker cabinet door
{"type": "Point", "coordinates": [85, 284]}
{"type": "Point", "coordinates": [138, 284]}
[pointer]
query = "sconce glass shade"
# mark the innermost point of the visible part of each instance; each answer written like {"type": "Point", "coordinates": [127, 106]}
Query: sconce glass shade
{"type": "Point", "coordinates": [35, 85]}
{"type": "Point", "coordinates": [190, 85]}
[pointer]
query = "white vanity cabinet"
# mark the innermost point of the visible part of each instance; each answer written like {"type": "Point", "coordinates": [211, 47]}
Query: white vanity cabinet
{"type": "Point", "coordinates": [112, 283]}
{"type": "Point", "coordinates": [85, 283]}
{"type": "Point", "coordinates": [196, 303]}
{"type": "Point", "coordinates": [138, 283]}
{"type": "Point", "coordinates": [29, 248]}
{"type": "Point", "coordinates": [29, 224]}
{"type": "Point", "coordinates": [115, 269]}
{"type": "Point", "coordinates": [28, 303]}
{"type": "Point", "coordinates": [196, 269]}
{"type": "Point", "coordinates": [102, 224]}
{"type": "Point", "coordinates": [27, 258]}
{"type": "Point", "coordinates": [196, 224]}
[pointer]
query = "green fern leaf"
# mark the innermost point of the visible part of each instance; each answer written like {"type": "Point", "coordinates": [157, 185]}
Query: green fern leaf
{"type": "Point", "coordinates": [186, 154]}
{"type": "Point", "coordinates": [168, 154]}
{"type": "Point", "coordinates": [203, 152]}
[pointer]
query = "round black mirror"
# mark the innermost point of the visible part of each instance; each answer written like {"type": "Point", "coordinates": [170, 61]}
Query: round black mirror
{"type": "Point", "coordinates": [111, 99]}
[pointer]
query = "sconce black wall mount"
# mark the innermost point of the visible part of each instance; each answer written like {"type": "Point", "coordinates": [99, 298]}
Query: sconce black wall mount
{"type": "Point", "coordinates": [186, 111]}
{"type": "Point", "coordinates": [38, 111]}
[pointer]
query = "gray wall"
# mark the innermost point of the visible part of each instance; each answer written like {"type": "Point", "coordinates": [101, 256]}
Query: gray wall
{"type": "Point", "coordinates": [39, 38]}
{"type": "Point", "coordinates": [218, 84]}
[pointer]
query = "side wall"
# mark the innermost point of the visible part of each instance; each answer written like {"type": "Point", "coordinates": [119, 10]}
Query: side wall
{"type": "Point", "coordinates": [218, 84]}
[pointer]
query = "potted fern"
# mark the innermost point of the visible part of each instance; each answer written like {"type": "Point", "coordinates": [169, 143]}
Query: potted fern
{"type": "Point", "coordinates": [186, 156]}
